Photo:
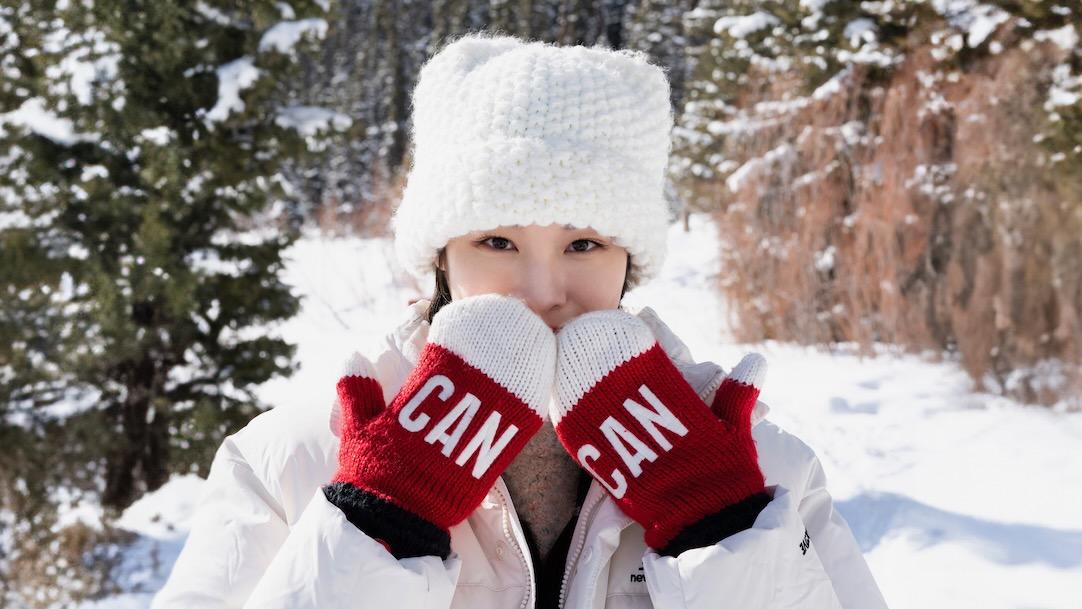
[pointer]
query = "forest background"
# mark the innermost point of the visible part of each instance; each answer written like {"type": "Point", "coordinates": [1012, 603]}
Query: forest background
{"type": "Point", "coordinates": [902, 174]}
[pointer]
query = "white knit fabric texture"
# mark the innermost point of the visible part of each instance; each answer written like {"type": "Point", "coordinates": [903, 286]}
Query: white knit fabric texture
{"type": "Point", "coordinates": [509, 132]}
{"type": "Point", "coordinates": [358, 365]}
{"type": "Point", "coordinates": [751, 370]}
{"type": "Point", "coordinates": [500, 336]}
{"type": "Point", "coordinates": [589, 348]}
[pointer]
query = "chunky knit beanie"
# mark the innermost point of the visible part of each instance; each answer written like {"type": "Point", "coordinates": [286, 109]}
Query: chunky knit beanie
{"type": "Point", "coordinates": [514, 132]}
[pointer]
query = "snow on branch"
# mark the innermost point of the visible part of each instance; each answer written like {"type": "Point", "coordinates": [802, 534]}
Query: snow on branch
{"type": "Point", "coordinates": [285, 35]}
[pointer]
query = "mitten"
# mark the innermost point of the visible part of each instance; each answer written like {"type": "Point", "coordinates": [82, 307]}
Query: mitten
{"type": "Point", "coordinates": [410, 471]}
{"type": "Point", "coordinates": [624, 412]}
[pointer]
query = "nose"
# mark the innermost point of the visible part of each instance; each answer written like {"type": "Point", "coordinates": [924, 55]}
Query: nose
{"type": "Point", "coordinates": [544, 288]}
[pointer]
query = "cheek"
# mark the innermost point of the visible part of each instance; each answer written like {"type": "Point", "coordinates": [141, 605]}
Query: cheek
{"type": "Point", "coordinates": [597, 286]}
{"type": "Point", "coordinates": [470, 276]}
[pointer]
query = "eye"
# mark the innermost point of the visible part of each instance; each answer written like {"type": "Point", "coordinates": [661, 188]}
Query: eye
{"type": "Point", "coordinates": [497, 243]}
{"type": "Point", "coordinates": [583, 245]}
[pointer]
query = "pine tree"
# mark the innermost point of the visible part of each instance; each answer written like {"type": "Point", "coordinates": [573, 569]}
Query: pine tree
{"type": "Point", "coordinates": [141, 144]}
{"type": "Point", "coordinates": [657, 27]}
{"type": "Point", "coordinates": [696, 152]}
{"type": "Point", "coordinates": [736, 49]}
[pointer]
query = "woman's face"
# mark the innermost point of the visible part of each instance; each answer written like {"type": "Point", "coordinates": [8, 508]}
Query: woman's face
{"type": "Point", "coordinates": [561, 272]}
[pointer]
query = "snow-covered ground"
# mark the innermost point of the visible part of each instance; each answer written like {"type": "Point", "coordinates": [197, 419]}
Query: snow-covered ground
{"type": "Point", "coordinates": [959, 500]}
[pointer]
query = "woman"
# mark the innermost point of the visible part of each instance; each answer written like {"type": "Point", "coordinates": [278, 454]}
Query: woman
{"type": "Point", "coordinates": [521, 440]}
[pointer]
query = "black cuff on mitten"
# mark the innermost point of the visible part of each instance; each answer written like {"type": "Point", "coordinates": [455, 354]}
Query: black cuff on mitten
{"type": "Point", "coordinates": [408, 534]}
{"type": "Point", "coordinates": [715, 527]}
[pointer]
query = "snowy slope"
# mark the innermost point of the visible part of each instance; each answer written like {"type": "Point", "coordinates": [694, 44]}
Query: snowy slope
{"type": "Point", "coordinates": [958, 499]}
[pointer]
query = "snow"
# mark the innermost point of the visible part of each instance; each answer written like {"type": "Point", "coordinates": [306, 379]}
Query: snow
{"type": "Point", "coordinates": [75, 509]}
{"type": "Point", "coordinates": [976, 20]}
{"type": "Point", "coordinates": [286, 10]}
{"type": "Point", "coordinates": [233, 77]}
{"type": "Point", "coordinates": [212, 13]}
{"type": "Point", "coordinates": [869, 56]}
{"type": "Point", "coordinates": [88, 60]}
{"type": "Point", "coordinates": [348, 306]}
{"type": "Point", "coordinates": [985, 20]}
{"type": "Point", "coordinates": [210, 263]}
{"type": "Point", "coordinates": [859, 31]}
{"type": "Point", "coordinates": [1061, 97]}
{"type": "Point", "coordinates": [76, 400]}
{"type": "Point", "coordinates": [824, 260]}
{"type": "Point", "coordinates": [739, 178]}
{"type": "Point", "coordinates": [34, 116]}
{"type": "Point", "coordinates": [282, 37]}
{"type": "Point", "coordinates": [742, 125]}
{"type": "Point", "coordinates": [162, 520]}
{"type": "Point", "coordinates": [931, 181]}
{"type": "Point", "coordinates": [958, 499]}
{"type": "Point", "coordinates": [1065, 37]}
{"type": "Point", "coordinates": [160, 136]}
{"type": "Point", "coordinates": [91, 172]}
{"type": "Point", "coordinates": [742, 26]}
{"type": "Point", "coordinates": [309, 121]}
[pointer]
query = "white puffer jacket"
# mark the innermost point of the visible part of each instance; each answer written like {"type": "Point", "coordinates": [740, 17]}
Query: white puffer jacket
{"type": "Point", "coordinates": [264, 536]}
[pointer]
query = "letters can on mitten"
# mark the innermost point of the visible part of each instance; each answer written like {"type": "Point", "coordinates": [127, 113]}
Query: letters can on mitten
{"type": "Point", "coordinates": [474, 399]}
{"type": "Point", "coordinates": [626, 414]}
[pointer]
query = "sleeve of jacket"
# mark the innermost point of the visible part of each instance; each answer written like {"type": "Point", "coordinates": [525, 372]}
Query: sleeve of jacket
{"type": "Point", "coordinates": [772, 565]}
{"type": "Point", "coordinates": [836, 546]}
{"type": "Point", "coordinates": [241, 552]}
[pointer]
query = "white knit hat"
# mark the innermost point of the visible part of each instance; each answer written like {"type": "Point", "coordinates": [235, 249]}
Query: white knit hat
{"type": "Point", "coordinates": [514, 132]}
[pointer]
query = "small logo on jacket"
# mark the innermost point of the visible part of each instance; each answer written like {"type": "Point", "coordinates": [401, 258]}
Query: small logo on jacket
{"type": "Point", "coordinates": [638, 578]}
{"type": "Point", "coordinates": [804, 545]}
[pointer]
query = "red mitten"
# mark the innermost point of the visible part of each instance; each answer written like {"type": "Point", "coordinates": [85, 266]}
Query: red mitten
{"type": "Point", "coordinates": [410, 471]}
{"type": "Point", "coordinates": [626, 414]}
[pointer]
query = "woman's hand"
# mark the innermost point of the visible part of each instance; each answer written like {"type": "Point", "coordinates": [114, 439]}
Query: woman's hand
{"type": "Point", "coordinates": [410, 471]}
{"type": "Point", "coordinates": [624, 412]}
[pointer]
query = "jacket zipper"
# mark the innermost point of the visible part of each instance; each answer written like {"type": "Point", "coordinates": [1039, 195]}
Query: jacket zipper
{"type": "Point", "coordinates": [530, 593]}
{"type": "Point", "coordinates": [577, 542]}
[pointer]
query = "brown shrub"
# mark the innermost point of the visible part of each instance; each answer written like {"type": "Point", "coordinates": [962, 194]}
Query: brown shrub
{"type": "Point", "coordinates": [917, 211]}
